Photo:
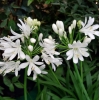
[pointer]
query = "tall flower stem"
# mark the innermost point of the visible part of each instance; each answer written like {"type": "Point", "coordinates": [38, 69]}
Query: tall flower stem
{"type": "Point", "coordinates": [81, 83]}
{"type": "Point", "coordinates": [25, 84]}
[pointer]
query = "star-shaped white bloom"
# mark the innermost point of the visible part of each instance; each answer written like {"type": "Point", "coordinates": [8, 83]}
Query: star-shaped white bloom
{"type": "Point", "coordinates": [32, 65]}
{"type": "Point", "coordinates": [89, 29]}
{"type": "Point", "coordinates": [51, 60]}
{"type": "Point", "coordinates": [77, 51]}
{"type": "Point", "coordinates": [13, 50]}
{"type": "Point", "coordinates": [10, 66]}
{"type": "Point", "coordinates": [25, 30]}
{"type": "Point", "coordinates": [48, 51]}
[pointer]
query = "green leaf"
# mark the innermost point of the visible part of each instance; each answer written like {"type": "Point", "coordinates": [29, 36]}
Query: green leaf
{"type": "Point", "coordinates": [29, 2]}
{"type": "Point", "coordinates": [54, 97]}
{"type": "Point", "coordinates": [4, 23]}
{"type": "Point", "coordinates": [6, 81]}
{"type": "Point", "coordinates": [11, 87]}
{"type": "Point", "coordinates": [3, 16]}
{"type": "Point", "coordinates": [15, 79]}
{"type": "Point", "coordinates": [8, 98]}
{"type": "Point", "coordinates": [18, 85]}
{"type": "Point", "coordinates": [79, 2]}
{"type": "Point", "coordinates": [67, 98]}
{"type": "Point", "coordinates": [11, 24]}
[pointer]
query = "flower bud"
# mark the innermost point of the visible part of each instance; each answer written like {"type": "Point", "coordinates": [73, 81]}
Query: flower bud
{"type": "Point", "coordinates": [30, 47]}
{"type": "Point", "coordinates": [70, 29]}
{"type": "Point", "coordinates": [79, 23]}
{"type": "Point", "coordinates": [54, 27]}
{"type": "Point", "coordinates": [60, 25]}
{"type": "Point", "coordinates": [61, 32]}
{"type": "Point", "coordinates": [87, 40]}
{"type": "Point", "coordinates": [33, 40]}
{"type": "Point", "coordinates": [29, 21]}
{"type": "Point", "coordinates": [74, 23]}
{"type": "Point", "coordinates": [40, 37]}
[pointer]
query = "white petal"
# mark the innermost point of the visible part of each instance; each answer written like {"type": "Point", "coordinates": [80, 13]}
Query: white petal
{"type": "Point", "coordinates": [38, 63]}
{"type": "Point", "coordinates": [44, 72]}
{"type": "Point", "coordinates": [53, 67]}
{"type": "Point", "coordinates": [34, 75]}
{"type": "Point", "coordinates": [80, 57]}
{"type": "Point", "coordinates": [13, 55]}
{"type": "Point", "coordinates": [94, 27]}
{"type": "Point", "coordinates": [14, 33]}
{"type": "Point", "coordinates": [29, 69]}
{"type": "Point", "coordinates": [27, 58]}
{"type": "Point", "coordinates": [38, 71]}
{"type": "Point", "coordinates": [22, 55]}
{"type": "Point", "coordinates": [2, 63]}
{"type": "Point", "coordinates": [23, 65]}
{"type": "Point", "coordinates": [36, 58]}
{"type": "Point", "coordinates": [42, 67]}
{"type": "Point", "coordinates": [9, 50]}
{"type": "Point", "coordinates": [75, 59]}
{"type": "Point", "coordinates": [70, 56]}
{"type": "Point", "coordinates": [16, 72]}
{"type": "Point", "coordinates": [85, 54]}
{"type": "Point", "coordinates": [69, 52]}
{"type": "Point", "coordinates": [91, 36]}
{"type": "Point", "coordinates": [96, 33]}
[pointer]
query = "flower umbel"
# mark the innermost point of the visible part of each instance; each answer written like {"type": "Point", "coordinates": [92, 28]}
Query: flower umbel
{"type": "Point", "coordinates": [77, 51]}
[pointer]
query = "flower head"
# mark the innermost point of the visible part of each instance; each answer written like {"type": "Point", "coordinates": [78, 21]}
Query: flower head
{"type": "Point", "coordinates": [10, 66]}
{"type": "Point", "coordinates": [12, 49]}
{"type": "Point", "coordinates": [48, 52]}
{"type": "Point", "coordinates": [89, 29]}
{"type": "Point", "coordinates": [77, 51]}
{"type": "Point", "coordinates": [32, 65]}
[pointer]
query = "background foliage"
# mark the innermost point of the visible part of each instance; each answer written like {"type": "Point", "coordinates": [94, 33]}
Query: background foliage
{"type": "Point", "coordinates": [48, 11]}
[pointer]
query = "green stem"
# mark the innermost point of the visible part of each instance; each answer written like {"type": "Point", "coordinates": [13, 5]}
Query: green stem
{"type": "Point", "coordinates": [55, 76]}
{"type": "Point", "coordinates": [81, 71]}
{"type": "Point", "coordinates": [38, 85]}
{"type": "Point", "coordinates": [25, 84]}
{"type": "Point", "coordinates": [81, 83]}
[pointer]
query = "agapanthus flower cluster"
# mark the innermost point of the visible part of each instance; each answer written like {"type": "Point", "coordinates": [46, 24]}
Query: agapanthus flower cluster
{"type": "Point", "coordinates": [76, 46]}
{"type": "Point", "coordinates": [28, 49]}
{"type": "Point", "coordinates": [19, 47]}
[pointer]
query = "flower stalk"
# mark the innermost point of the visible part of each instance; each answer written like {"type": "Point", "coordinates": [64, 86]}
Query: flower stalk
{"type": "Point", "coordinates": [25, 84]}
{"type": "Point", "coordinates": [81, 83]}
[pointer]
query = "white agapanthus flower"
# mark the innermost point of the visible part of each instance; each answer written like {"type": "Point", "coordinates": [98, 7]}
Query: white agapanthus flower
{"type": "Point", "coordinates": [89, 29]}
{"type": "Point", "coordinates": [51, 60]}
{"type": "Point", "coordinates": [59, 28]}
{"type": "Point", "coordinates": [32, 65]}
{"type": "Point", "coordinates": [9, 66]}
{"type": "Point", "coordinates": [77, 51]}
{"type": "Point", "coordinates": [48, 51]}
{"type": "Point", "coordinates": [12, 49]}
{"type": "Point", "coordinates": [25, 30]}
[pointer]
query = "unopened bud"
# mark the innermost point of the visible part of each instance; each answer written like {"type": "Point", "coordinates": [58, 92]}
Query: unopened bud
{"type": "Point", "coordinates": [30, 47]}
{"type": "Point", "coordinates": [33, 40]}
